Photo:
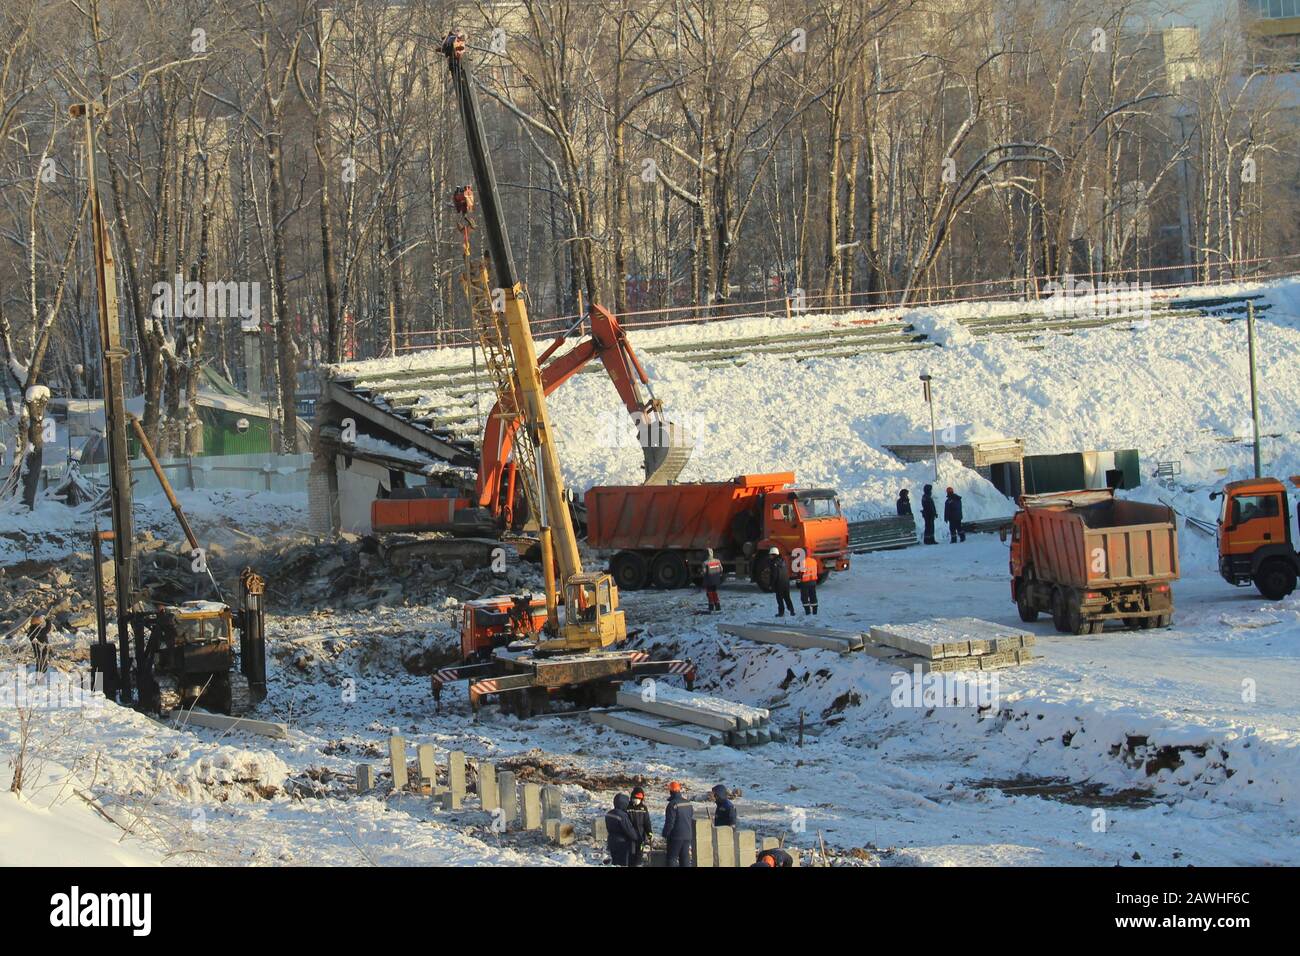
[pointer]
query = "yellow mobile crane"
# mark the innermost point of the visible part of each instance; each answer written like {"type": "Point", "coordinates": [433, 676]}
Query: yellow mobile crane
{"type": "Point", "coordinates": [578, 657]}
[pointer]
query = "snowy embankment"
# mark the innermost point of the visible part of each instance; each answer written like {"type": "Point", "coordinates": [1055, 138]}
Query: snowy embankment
{"type": "Point", "coordinates": [1175, 389]}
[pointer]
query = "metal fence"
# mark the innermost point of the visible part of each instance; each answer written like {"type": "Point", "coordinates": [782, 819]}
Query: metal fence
{"type": "Point", "coordinates": [283, 474]}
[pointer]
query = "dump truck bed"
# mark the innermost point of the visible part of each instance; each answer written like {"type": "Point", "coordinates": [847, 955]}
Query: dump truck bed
{"type": "Point", "coordinates": [695, 515]}
{"type": "Point", "coordinates": [1092, 539]}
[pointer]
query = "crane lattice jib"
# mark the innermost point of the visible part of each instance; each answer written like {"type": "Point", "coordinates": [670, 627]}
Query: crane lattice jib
{"type": "Point", "coordinates": [489, 326]}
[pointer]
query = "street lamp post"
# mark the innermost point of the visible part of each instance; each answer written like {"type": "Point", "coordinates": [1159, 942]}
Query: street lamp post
{"type": "Point", "coordinates": [926, 378]}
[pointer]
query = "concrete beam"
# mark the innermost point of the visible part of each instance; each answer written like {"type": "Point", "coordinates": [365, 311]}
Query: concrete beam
{"type": "Point", "coordinates": [365, 777]}
{"type": "Point", "coordinates": [264, 728]}
{"type": "Point", "coordinates": [560, 832]}
{"type": "Point", "coordinates": [676, 711]}
{"type": "Point", "coordinates": [682, 736]}
{"type": "Point", "coordinates": [766, 635]}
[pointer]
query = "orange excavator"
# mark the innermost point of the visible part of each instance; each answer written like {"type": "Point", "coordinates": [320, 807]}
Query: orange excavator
{"type": "Point", "coordinates": [498, 504]}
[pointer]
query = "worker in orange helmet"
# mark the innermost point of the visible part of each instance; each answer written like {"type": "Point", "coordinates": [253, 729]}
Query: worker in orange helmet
{"type": "Point", "coordinates": [808, 584]}
{"type": "Point", "coordinates": [679, 826]}
{"type": "Point", "coordinates": [775, 857]}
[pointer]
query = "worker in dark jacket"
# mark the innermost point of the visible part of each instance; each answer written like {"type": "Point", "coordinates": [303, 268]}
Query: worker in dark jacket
{"type": "Point", "coordinates": [724, 814]}
{"type": "Point", "coordinates": [711, 579]}
{"type": "Point", "coordinates": [928, 513]}
{"type": "Point", "coordinates": [639, 814]}
{"type": "Point", "coordinates": [38, 632]}
{"type": "Point", "coordinates": [780, 582]}
{"type": "Point", "coordinates": [775, 857]}
{"type": "Point", "coordinates": [952, 515]}
{"type": "Point", "coordinates": [679, 826]}
{"type": "Point", "coordinates": [621, 836]}
{"type": "Point", "coordinates": [904, 504]}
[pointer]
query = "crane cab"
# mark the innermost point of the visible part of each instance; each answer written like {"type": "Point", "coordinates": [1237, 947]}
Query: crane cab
{"type": "Point", "coordinates": [1255, 539]}
{"type": "Point", "coordinates": [592, 619]}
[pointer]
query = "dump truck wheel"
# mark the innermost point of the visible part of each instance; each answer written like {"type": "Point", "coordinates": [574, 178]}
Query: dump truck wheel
{"type": "Point", "coordinates": [669, 571]}
{"type": "Point", "coordinates": [1058, 610]}
{"type": "Point", "coordinates": [1275, 579]}
{"type": "Point", "coordinates": [629, 571]}
{"type": "Point", "coordinates": [763, 575]}
{"type": "Point", "coordinates": [1028, 612]}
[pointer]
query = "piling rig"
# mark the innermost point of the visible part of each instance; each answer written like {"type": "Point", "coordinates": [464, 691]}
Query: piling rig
{"type": "Point", "coordinates": [167, 656]}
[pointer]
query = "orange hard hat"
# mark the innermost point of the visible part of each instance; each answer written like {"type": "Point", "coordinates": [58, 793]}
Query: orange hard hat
{"type": "Point", "coordinates": [674, 787]}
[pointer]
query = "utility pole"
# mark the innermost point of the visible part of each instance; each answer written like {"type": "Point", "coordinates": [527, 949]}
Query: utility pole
{"type": "Point", "coordinates": [934, 441]}
{"type": "Point", "coordinates": [1254, 384]}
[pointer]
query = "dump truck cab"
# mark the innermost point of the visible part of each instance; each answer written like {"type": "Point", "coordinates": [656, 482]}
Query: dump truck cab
{"type": "Point", "coordinates": [805, 521]}
{"type": "Point", "coordinates": [1255, 539]}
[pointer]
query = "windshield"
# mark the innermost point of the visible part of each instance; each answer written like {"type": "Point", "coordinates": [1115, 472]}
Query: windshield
{"type": "Point", "coordinates": [820, 507]}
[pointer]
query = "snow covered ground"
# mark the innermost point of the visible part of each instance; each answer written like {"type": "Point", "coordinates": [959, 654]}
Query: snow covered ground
{"type": "Point", "coordinates": [1179, 746]}
{"type": "Point", "coordinates": [1095, 725]}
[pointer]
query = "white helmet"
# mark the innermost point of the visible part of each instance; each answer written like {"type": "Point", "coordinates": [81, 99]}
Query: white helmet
{"type": "Point", "coordinates": [775, 552]}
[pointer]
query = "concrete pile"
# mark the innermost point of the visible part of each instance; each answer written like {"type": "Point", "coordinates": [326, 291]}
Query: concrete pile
{"type": "Point", "coordinates": [509, 804]}
{"type": "Point", "coordinates": [680, 718]}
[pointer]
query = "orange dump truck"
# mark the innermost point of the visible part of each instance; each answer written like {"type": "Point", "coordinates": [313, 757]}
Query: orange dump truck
{"type": "Point", "coordinates": [1088, 557]}
{"type": "Point", "coordinates": [660, 533]}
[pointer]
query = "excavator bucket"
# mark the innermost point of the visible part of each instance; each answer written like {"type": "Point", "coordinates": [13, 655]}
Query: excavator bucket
{"type": "Point", "coordinates": [666, 454]}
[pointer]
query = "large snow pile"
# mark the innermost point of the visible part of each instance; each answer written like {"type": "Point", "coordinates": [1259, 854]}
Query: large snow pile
{"type": "Point", "coordinates": [1175, 389]}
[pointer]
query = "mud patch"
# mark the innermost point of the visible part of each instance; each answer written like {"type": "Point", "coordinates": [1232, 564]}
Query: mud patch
{"type": "Point", "coordinates": [534, 767]}
{"type": "Point", "coordinates": [1067, 791]}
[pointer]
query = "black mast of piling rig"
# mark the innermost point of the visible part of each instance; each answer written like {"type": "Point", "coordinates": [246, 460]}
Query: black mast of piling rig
{"type": "Point", "coordinates": [116, 674]}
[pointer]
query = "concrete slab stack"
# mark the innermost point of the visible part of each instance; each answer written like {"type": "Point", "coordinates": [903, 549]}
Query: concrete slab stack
{"type": "Point", "coordinates": [954, 644]}
{"type": "Point", "coordinates": [682, 718]}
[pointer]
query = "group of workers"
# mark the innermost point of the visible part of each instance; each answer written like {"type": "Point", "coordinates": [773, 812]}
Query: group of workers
{"type": "Point", "coordinates": [804, 570]}
{"type": "Point", "coordinates": [629, 832]}
{"type": "Point", "coordinates": [929, 512]}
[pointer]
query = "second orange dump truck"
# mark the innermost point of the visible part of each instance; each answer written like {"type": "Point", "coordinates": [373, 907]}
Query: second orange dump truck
{"type": "Point", "coordinates": [1088, 557]}
{"type": "Point", "coordinates": [660, 533]}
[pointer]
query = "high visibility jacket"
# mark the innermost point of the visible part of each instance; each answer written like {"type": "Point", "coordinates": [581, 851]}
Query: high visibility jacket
{"type": "Point", "coordinates": [809, 570]}
{"type": "Point", "coordinates": [712, 573]}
